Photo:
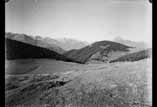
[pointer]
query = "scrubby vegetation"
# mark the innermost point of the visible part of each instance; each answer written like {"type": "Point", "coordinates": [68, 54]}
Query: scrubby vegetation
{"type": "Point", "coordinates": [16, 81]}
{"type": "Point", "coordinates": [26, 88]}
{"type": "Point", "coordinates": [87, 95]}
{"type": "Point", "coordinates": [121, 96]}
{"type": "Point", "coordinates": [99, 85]}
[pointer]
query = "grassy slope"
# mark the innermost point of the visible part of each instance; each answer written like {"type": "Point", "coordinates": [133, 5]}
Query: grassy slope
{"type": "Point", "coordinates": [39, 66]}
{"type": "Point", "coordinates": [134, 56]}
{"type": "Point", "coordinates": [85, 53]}
{"type": "Point", "coordinates": [116, 85]}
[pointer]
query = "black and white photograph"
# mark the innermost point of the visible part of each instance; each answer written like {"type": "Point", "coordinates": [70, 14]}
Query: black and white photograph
{"type": "Point", "coordinates": [78, 53]}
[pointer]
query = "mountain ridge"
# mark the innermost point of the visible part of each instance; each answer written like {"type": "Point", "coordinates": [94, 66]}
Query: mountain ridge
{"type": "Point", "coordinates": [59, 45]}
{"type": "Point", "coordinates": [20, 50]}
{"type": "Point", "coordinates": [139, 45]}
{"type": "Point", "coordinates": [135, 56]}
{"type": "Point", "coordinates": [103, 48]}
{"type": "Point", "coordinates": [36, 41]}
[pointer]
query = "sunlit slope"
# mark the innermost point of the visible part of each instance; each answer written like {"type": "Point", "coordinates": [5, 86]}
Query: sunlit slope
{"type": "Point", "coordinates": [100, 51]}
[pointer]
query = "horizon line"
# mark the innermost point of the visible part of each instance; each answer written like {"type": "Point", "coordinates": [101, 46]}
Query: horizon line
{"type": "Point", "coordinates": [89, 42]}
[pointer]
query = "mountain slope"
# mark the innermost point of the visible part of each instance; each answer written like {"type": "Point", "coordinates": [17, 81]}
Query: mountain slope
{"type": "Point", "coordinates": [134, 56]}
{"type": "Point", "coordinates": [123, 83]}
{"type": "Point", "coordinates": [20, 50]}
{"type": "Point", "coordinates": [36, 41]}
{"type": "Point", "coordinates": [68, 43]}
{"type": "Point", "coordinates": [49, 43]}
{"type": "Point", "coordinates": [21, 37]}
{"type": "Point", "coordinates": [101, 51]}
{"type": "Point", "coordinates": [60, 45]}
{"type": "Point", "coordinates": [138, 45]}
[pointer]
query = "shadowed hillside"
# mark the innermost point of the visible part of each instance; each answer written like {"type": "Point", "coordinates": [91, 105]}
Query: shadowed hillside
{"type": "Point", "coordinates": [59, 45]}
{"type": "Point", "coordinates": [101, 51]}
{"type": "Point", "coordinates": [134, 56]}
{"type": "Point", "coordinates": [37, 41]}
{"type": "Point", "coordinates": [20, 50]}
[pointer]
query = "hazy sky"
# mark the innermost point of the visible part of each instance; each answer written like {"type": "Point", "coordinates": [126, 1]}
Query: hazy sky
{"type": "Point", "coordinates": [88, 20]}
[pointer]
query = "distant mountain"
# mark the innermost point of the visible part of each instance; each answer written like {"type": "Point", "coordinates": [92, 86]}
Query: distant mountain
{"type": "Point", "coordinates": [138, 45]}
{"type": "Point", "coordinates": [21, 37]}
{"type": "Point", "coordinates": [98, 51]}
{"type": "Point", "coordinates": [36, 41]}
{"type": "Point", "coordinates": [69, 44]}
{"type": "Point", "coordinates": [60, 45]}
{"type": "Point", "coordinates": [20, 50]}
{"type": "Point", "coordinates": [134, 56]}
{"type": "Point", "coordinates": [49, 43]}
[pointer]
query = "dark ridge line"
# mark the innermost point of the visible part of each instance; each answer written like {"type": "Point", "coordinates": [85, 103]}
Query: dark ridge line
{"type": "Point", "coordinates": [19, 50]}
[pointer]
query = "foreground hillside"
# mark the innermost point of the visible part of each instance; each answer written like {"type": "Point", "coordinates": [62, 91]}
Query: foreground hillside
{"type": "Point", "coordinates": [39, 66]}
{"type": "Point", "coordinates": [20, 50]}
{"type": "Point", "coordinates": [100, 51]}
{"type": "Point", "coordinates": [123, 84]}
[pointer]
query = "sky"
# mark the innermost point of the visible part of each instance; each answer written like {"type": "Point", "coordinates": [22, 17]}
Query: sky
{"type": "Point", "coordinates": [87, 20]}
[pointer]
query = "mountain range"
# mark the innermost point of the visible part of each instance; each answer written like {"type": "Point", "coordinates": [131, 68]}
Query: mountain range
{"type": "Point", "coordinates": [58, 45]}
{"type": "Point", "coordinates": [26, 46]}
{"type": "Point", "coordinates": [99, 51]}
{"type": "Point", "coordinates": [20, 50]}
{"type": "Point", "coordinates": [69, 44]}
{"type": "Point", "coordinates": [134, 56]}
{"type": "Point", "coordinates": [140, 45]}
